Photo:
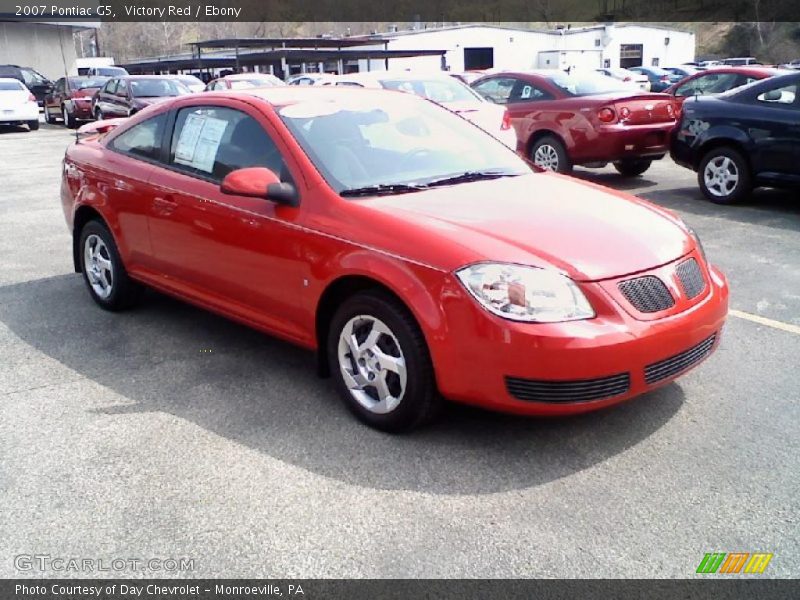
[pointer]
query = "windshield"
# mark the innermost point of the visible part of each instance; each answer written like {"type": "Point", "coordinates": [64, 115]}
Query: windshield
{"type": "Point", "coordinates": [111, 71]}
{"type": "Point", "coordinates": [252, 82]}
{"type": "Point", "coordinates": [439, 89]}
{"type": "Point", "coordinates": [366, 141]}
{"type": "Point", "coordinates": [586, 84]}
{"type": "Point", "coordinates": [147, 88]}
{"type": "Point", "coordinates": [84, 83]}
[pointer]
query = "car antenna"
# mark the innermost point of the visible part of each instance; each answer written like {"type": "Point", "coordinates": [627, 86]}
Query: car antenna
{"type": "Point", "coordinates": [66, 73]}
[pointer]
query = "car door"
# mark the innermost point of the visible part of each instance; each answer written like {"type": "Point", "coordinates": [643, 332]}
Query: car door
{"type": "Point", "coordinates": [53, 100]}
{"type": "Point", "coordinates": [527, 102]}
{"type": "Point", "coordinates": [104, 98]}
{"type": "Point", "coordinates": [242, 255]}
{"type": "Point", "coordinates": [130, 160]}
{"type": "Point", "coordinates": [122, 99]}
{"type": "Point", "coordinates": [773, 122]}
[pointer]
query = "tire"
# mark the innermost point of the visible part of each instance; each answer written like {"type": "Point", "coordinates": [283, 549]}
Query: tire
{"type": "Point", "coordinates": [48, 117]}
{"type": "Point", "coordinates": [724, 176]}
{"type": "Point", "coordinates": [632, 167]}
{"type": "Point", "coordinates": [405, 402]}
{"type": "Point", "coordinates": [98, 114]}
{"type": "Point", "coordinates": [118, 290]}
{"type": "Point", "coordinates": [549, 153]}
{"type": "Point", "coordinates": [33, 125]}
{"type": "Point", "coordinates": [69, 120]}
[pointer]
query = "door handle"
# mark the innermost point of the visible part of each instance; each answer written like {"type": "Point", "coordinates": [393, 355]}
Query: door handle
{"type": "Point", "coordinates": [165, 204]}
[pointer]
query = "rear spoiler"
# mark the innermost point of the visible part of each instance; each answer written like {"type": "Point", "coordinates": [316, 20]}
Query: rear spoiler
{"type": "Point", "coordinates": [100, 127]}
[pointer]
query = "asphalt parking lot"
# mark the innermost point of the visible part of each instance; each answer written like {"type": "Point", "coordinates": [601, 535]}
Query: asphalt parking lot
{"type": "Point", "coordinates": [169, 432]}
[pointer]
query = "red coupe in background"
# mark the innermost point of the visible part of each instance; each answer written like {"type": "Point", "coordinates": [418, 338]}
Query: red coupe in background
{"type": "Point", "coordinates": [583, 118]}
{"type": "Point", "coordinates": [718, 80]}
{"type": "Point", "coordinates": [71, 100]}
{"type": "Point", "coordinates": [402, 243]}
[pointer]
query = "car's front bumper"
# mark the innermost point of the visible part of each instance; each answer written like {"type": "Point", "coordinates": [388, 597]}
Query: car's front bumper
{"type": "Point", "coordinates": [573, 367]}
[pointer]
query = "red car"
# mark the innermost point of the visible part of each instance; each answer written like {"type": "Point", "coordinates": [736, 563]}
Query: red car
{"type": "Point", "coordinates": [71, 100]}
{"type": "Point", "coordinates": [583, 118]}
{"type": "Point", "coordinates": [402, 243]}
{"type": "Point", "coordinates": [718, 80]}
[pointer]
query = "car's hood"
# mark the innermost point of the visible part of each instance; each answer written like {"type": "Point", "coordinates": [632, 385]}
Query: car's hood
{"type": "Point", "coordinates": [548, 220]}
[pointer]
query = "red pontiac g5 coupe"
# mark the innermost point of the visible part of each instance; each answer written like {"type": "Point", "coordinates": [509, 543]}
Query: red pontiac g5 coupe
{"type": "Point", "coordinates": [583, 118]}
{"type": "Point", "coordinates": [419, 256]}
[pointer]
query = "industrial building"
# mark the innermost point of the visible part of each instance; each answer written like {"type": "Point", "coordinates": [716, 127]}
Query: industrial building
{"type": "Point", "coordinates": [45, 47]}
{"type": "Point", "coordinates": [478, 46]}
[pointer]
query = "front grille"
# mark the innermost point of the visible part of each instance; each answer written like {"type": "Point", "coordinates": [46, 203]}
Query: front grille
{"type": "Point", "coordinates": [648, 294]}
{"type": "Point", "coordinates": [578, 390]}
{"type": "Point", "coordinates": [691, 278]}
{"type": "Point", "coordinates": [680, 362]}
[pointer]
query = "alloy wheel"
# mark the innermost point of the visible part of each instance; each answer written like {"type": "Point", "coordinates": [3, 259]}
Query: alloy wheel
{"type": "Point", "coordinates": [721, 176]}
{"type": "Point", "coordinates": [98, 266]}
{"type": "Point", "coordinates": [546, 157]}
{"type": "Point", "coordinates": [372, 364]}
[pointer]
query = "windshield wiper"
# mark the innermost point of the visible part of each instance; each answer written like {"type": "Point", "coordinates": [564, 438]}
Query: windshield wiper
{"type": "Point", "coordinates": [381, 189]}
{"type": "Point", "coordinates": [468, 176]}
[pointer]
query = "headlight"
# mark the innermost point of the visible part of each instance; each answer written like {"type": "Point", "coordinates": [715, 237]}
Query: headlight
{"type": "Point", "coordinates": [696, 237]}
{"type": "Point", "coordinates": [525, 293]}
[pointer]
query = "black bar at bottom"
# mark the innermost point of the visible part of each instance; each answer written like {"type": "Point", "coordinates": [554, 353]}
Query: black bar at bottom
{"type": "Point", "coordinates": [712, 588]}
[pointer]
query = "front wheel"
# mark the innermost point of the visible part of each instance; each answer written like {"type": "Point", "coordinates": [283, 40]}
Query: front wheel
{"type": "Point", "coordinates": [69, 120]}
{"type": "Point", "coordinates": [724, 176]}
{"type": "Point", "coordinates": [381, 364]}
{"type": "Point", "coordinates": [33, 125]}
{"type": "Point", "coordinates": [550, 154]}
{"type": "Point", "coordinates": [48, 117]}
{"type": "Point", "coordinates": [103, 271]}
{"type": "Point", "coordinates": [632, 167]}
{"type": "Point", "coordinates": [98, 114]}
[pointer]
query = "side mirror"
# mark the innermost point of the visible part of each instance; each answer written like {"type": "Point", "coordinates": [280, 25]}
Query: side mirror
{"type": "Point", "coordinates": [259, 182]}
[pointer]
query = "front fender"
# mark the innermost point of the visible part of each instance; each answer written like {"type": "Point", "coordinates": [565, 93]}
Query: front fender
{"type": "Point", "coordinates": [417, 286]}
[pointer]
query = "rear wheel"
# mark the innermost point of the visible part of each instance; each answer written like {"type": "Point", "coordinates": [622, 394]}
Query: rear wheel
{"type": "Point", "coordinates": [105, 275]}
{"type": "Point", "coordinates": [632, 167]}
{"type": "Point", "coordinates": [724, 176]}
{"type": "Point", "coordinates": [69, 120]}
{"type": "Point", "coordinates": [381, 364]}
{"type": "Point", "coordinates": [550, 154]}
{"type": "Point", "coordinates": [33, 125]}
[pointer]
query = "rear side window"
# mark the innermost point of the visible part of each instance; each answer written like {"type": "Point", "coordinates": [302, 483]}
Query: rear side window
{"type": "Point", "coordinates": [142, 140]}
{"type": "Point", "coordinates": [784, 96]}
{"type": "Point", "coordinates": [212, 141]}
{"type": "Point", "coordinates": [496, 90]}
{"type": "Point", "coordinates": [8, 86]}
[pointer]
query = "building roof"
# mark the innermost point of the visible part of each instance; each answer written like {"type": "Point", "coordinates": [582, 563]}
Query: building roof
{"type": "Point", "coordinates": [221, 61]}
{"type": "Point", "coordinates": [299, 42]}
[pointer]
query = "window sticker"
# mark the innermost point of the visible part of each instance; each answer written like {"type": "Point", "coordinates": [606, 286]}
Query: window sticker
{"type": "Point", "coordinates": [199, 142]}
{"type": "Point", "coordinates": [526, 91]}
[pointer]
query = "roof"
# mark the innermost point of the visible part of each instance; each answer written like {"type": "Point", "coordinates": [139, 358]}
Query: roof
{"type": "Point", "coordinates": [261, 57]}
{"type": "Point", "coordinates": [299, 42]}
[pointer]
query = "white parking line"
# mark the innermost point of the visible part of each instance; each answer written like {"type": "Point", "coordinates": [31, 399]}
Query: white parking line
{"type": "Point", "coordinates": [764, 321]}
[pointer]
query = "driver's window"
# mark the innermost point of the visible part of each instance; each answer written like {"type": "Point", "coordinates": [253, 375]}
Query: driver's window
{"type": "Point", "coordinates": [212, 141]}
